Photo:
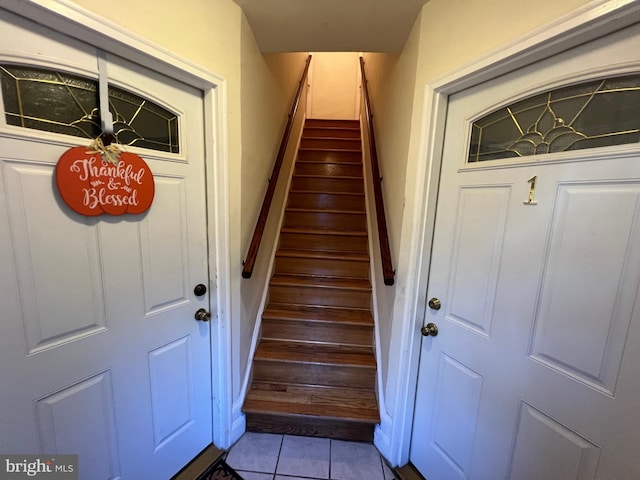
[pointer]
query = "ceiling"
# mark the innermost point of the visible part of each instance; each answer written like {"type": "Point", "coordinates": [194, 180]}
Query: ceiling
{"type": "Point", "coordinates": [331, 25]}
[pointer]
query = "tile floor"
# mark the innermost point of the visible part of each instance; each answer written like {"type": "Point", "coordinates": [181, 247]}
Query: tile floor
{"type": "Point", "coordinates": [267, 456]}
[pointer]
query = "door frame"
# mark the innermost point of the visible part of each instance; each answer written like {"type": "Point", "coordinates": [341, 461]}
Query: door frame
{"type": "Point", "coordinates": [73, 20]}
{"type": "Point", "coordinates": [593, 20]}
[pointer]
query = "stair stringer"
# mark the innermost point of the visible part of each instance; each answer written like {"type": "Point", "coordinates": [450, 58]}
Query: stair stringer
{"type": "Point", "coordinates": [381, 439]}
{"type": "Point", "coordinates": [239, 418]}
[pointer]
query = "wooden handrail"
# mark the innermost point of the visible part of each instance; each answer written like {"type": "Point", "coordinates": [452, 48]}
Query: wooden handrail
{"type": "Point", "coordinates": [383, 236]}
{"type": "Point", "coordinates": [252, 254]}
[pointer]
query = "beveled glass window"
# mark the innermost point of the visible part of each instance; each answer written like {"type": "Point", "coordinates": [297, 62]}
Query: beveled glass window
{"type": "Point", "coordinates": [594, 114]}
{"type": "Point", "coordinates": [58, 102]}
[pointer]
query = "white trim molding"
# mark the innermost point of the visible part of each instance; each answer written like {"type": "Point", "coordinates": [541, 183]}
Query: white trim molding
{"type": "Point", "coordinates": [587, 23]}
{"type": "Point", "coordinates": [73, 20]}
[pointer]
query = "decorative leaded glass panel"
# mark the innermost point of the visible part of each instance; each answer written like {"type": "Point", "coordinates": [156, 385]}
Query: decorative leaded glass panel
{"type": "Point", "coordinates": [594, 114]}
{"type": "Point", "coordinates": [50, 101]}
{"type": "Point", "coordinates": [58, 102]}
{"type": "Point", "coordinates": [141, 123]}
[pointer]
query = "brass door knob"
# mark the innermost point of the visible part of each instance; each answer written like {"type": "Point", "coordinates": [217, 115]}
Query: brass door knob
{"type": "Point", "coordinates": [429, 330]}
{"type": "Point", "coordinates": [202, 315]}
{"type": "Point", "coordinates": [435, 304]}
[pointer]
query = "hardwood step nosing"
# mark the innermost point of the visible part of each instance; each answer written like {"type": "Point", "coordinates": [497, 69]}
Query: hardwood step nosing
{"type": "Point", "coordinates": [330, 177]}
{"type": "Point", "coordinates": [317, 149]}
{"type": "Point", "coordinates": [324, 192]}
{"type": "Point", "coordinates": [322, 255]}
{"type": "Point", "coordinates": [282, 317]}
{"type": "Point", "coordinates": [299, 282]}
{"type": "Point", "coordinates": [332, 127]}
{"type": "Point", "coordinates": [331, 161]}
{"type": "Point", "coordinates": [294, 361]}
{"type": "Point", "coordinates": [318, 343]}
{"type": "Point", "coordinates": [324, 210]}
{"type": "Point", "coordinates": [331, 139]}
{"type": "Point", "coordinates": [324, 231]}
{"type": "Point", "coordinates": [316, 321]}
{"type": "Point", "coordinates": [256, 410]}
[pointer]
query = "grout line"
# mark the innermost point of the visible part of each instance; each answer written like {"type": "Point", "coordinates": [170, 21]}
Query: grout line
{"type": "Point", "coordinates": [330, 451]}
{"type": "Point", "coordinates": [278, 459]}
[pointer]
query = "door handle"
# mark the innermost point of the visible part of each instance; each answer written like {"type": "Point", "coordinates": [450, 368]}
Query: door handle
{"type": "Point", "coordinates": [429, 330]}
{"type": "Point", "coordinates": [202, 315]}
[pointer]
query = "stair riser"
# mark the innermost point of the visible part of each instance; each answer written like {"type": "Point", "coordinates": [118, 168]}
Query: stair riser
{"type": "Point", "coordinates": [331, 143]}
{"type": "Point", "coordinates": [321, 123]}
{"type": "Point", "coordinates": [331, 132]}
{"type": "Point", "coordinates": [332, 297]}
{"type": "Point", "coordinates": [313, 374]}
{"type": "Point", "coordinates": [310, 427]}
{"type": "Point", "coordinates": [332, 221]}
{"type": "Point", "coordinates": [329, 156]}
{"type": "Point", "coordinates": [327, 184]}
{"type": "Point", "coordinates": [329, 169]}
{"type": "Point", "coordinates": [331, 201]}
{"type": "Point", "coordinates": [331, 243]}
{"type": "Point", "coordinates": [323, 267]}
{"type": "Point", "coordinates": [300, 330]}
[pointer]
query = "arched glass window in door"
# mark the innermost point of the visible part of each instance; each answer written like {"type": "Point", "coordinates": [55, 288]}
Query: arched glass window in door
{"type": "Point", "coordinates": [59, 102]}
{"type": "Point", "coordinates": [594, 114]}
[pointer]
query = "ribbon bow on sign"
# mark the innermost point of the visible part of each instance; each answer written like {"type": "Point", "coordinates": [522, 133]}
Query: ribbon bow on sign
{"type": "Point", "coordinates": [110, 153]}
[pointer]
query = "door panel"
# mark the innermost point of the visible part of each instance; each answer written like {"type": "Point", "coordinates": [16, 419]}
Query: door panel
{"type": "Point", "coordinates": [479, 228]}
{"type": "Point", "coordinates": [106, 359]}
{"type": "Point", "coordinates": [567, 455]}
{"type": "Point", "coordinates": [532, 374]}
{"type": "Point", "coordinates": [598, 221]}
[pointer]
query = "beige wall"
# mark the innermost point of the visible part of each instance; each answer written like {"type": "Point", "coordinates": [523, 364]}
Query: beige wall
{"type": "Point", "coordinates": [334, 78]}
{"type": "Point", "coordinates": [268, 88]}
{"type": "Point", "coordinates": [391, 80]}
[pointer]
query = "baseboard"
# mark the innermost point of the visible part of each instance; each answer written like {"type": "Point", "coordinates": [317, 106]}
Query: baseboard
{"type": "Point", "coordinates": [239, 424]}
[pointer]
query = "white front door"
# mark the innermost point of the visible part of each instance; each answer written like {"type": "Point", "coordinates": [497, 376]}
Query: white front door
{"type": "Point", "coordinates": [534, 371]}
{"type": "Point", "coordinates": [100, 353]}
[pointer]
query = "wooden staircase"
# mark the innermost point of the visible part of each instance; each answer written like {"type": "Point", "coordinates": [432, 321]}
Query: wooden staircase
{"type": "Point", "coordinates": [314, 369]}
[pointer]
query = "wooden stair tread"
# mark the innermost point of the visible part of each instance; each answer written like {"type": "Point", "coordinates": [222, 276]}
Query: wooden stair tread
{"type": "Point", "coordinates": [323, 192]}
{"type": "Point", "coordinates": [323, 254]}
{"type": "Point", "coordinates": [321, 282]}
{"type": "Point", "coordinates": [311, 353]}
{"type": "Point", "coordinates": [325, 231]}
{"type": "Point", "coordinates": [324, 177]}
{"type": "Point", "coordinates": [318, 314]}
{"type": "Point", "coordinates": [329, 150]}
{"type": "Point", "coordinates": [315, 368]}
{"type": "Point", "coordinates": [327, 402]}
{"type": "Point", "coordinates": [325, 210]}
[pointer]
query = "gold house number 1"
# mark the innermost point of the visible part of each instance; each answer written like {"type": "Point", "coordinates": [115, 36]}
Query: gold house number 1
{"type": "Point", "coordinates": [532, 191]}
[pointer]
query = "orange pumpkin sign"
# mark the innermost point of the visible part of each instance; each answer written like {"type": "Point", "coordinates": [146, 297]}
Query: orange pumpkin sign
{"type": "Point", "coordinates": [91, 185]}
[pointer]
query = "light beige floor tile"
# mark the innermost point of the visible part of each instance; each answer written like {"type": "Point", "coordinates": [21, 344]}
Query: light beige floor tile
{"type": "Point", "coordinates": [304, 456]}
{"type": "Point", "coordinates": [255, 452]}
{"type": "Point", "coordinates": [355, 461]}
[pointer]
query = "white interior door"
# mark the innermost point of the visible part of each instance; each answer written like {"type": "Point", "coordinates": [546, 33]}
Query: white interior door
{"type": "Point", "coordinates": [334, 78]}
{"type": "Point", "coordinates": [533, 373]}
{"type": "Point", "coordinates": [100, 353]}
